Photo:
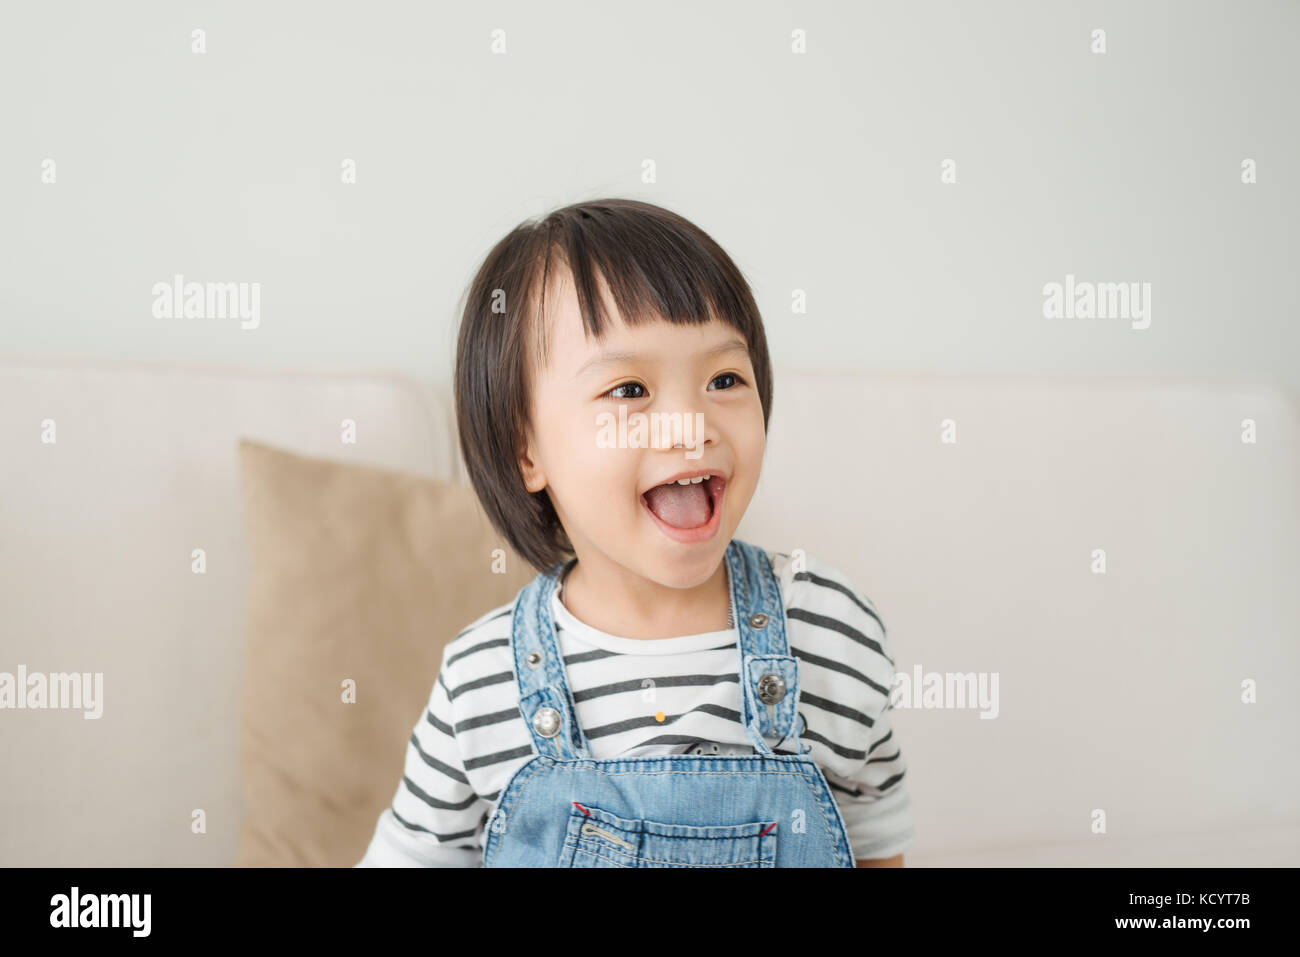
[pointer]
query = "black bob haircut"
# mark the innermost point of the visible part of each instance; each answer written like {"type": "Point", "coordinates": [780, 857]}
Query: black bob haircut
{"type": "Point", "coordinates": [657, 266]}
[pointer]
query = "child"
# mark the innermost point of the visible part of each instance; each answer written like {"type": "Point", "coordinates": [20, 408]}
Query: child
{"type": "Point", "coordinates": [567, 729]}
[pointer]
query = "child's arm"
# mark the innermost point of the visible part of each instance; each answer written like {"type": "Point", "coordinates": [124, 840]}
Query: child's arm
{"type": "Point", "coordinates": [874, 801]}
{"type": "Point", "coordinates": [436, 818]}
{"type": "Point", "coordinates": [873, 797]}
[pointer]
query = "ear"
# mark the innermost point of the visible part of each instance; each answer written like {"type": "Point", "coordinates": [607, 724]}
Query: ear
{"type": "Point", "coordinates": [529, 470]}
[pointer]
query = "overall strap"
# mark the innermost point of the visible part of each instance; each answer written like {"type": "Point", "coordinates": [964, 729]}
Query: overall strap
{"type": "Point", "coordinates": [544, 697]}
{"type": "Point", "coordinates": [769, 674]}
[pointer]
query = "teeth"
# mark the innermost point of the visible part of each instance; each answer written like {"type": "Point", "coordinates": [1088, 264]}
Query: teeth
{"type": "Point", "coordinates": [695, 481]}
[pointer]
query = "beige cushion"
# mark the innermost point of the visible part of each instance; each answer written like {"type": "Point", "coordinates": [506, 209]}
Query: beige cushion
{"type": "Point", "coordinates": [356, 574]}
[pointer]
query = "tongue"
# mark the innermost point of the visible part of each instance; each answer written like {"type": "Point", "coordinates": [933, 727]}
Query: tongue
{"type": "Point", "coordinates": [681, 506]}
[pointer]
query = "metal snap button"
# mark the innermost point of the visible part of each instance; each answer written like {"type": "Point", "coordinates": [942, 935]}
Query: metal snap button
{"type": "Point", "coordinates": [546, 722]}
{"type": "Point", "coordinates": [771, 688]}
{"type": "Point", "coordinates": [759, 620]}
{"type": "Point", "coordinates": [534, 659]}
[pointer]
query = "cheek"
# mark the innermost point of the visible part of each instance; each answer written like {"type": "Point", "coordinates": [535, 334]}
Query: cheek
{"type": "Point", "coordinates": [585, 473]}
{"type": "Point", "coordinates": [751, 445]}
{"type": "Point", "coordinates": [754, 438]}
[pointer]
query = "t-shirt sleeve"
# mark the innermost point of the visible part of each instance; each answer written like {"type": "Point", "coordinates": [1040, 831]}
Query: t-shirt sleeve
{"type": "Point", "coordinates": [875, 802]}
{"type": "Point", "coordinates": [874, 799]}
{"type": "Point", "coordinates": [436, 819]}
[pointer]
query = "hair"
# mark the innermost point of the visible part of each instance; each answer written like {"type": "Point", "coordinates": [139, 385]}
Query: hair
{"type": "Point", "coordinates": [657, 266]}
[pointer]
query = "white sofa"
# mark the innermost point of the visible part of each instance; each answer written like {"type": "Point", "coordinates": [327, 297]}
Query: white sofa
{"type": "Point", "coordinates": [1118, 693]}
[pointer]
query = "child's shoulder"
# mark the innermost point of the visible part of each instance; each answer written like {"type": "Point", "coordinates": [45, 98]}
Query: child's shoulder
{"type": "Point", "coordinates": [484, 644]}
{"type": "Point", "coordinates": [819, 593]}
{"type": "Point", "coordinates": [800, 571]}
{"type": "Point", "coordinates": [475, 641]}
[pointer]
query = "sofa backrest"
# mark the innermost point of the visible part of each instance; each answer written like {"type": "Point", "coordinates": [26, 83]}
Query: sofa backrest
{"type": "Point", "coordinates": [96, 535]}
{"type": "Point", "coordinates": [1119, 692]}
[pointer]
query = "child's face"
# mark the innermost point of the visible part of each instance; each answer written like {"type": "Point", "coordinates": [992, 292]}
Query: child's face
{"type": "Point", "coordinates": [598, 491]}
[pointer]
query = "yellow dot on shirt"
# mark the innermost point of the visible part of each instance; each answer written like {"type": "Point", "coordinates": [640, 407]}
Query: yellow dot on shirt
{"type": "Point", "coordinates": [659, 716]}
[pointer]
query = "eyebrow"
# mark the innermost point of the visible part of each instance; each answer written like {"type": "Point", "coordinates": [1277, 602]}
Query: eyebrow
{"type": "Point", "coordinates": [608, 358]}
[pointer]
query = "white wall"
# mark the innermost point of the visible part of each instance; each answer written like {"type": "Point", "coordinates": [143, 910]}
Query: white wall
{"type": "Point", "coordinates": [817, 172]}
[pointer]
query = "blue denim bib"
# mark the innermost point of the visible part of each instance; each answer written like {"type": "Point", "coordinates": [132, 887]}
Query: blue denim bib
{"type": "Point", "coordinates": [563, 808]}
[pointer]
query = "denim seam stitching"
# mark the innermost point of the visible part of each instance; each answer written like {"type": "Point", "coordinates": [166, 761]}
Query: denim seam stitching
{"type": "Point", "coordinates": [685, 837]}
{"type": "Point", "coordinates": [510, 803]}
{"type": "Point", "coordinates": [655, 860]}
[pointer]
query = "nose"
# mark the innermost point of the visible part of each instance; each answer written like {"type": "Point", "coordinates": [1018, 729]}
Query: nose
{"type": "Point", "coordinates": [681, 425]}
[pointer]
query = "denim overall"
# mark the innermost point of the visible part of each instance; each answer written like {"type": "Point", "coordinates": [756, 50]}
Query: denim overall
{"type": "Point", "coordinates": [563, 808]}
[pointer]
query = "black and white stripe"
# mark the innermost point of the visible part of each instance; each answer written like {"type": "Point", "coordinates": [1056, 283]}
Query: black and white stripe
{"type": "Point", "coordinates": [472, 738]}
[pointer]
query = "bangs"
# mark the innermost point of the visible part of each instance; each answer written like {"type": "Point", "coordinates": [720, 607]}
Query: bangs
{"type": "Point", "coordinates": [652, 264]}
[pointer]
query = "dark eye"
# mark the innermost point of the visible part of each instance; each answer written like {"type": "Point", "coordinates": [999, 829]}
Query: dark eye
{"type": "Point", "coordinates": [729, 375]}
{"type": "Point", "coordinates": [625, 385]}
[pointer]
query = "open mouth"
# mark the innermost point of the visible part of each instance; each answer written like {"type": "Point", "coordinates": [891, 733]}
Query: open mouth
{"type": "Point", "coordinates": [687, 510]}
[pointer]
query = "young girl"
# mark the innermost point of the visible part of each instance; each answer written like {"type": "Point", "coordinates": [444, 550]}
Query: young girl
{"type": "Point", "coordinates": [661, 695]}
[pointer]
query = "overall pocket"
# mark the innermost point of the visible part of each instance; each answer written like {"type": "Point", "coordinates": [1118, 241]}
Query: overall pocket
{"type": "Point", "coordinates": [596, 838]}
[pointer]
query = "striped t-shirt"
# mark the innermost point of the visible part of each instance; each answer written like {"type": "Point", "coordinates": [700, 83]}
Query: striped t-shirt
{"type": "Point", "coordinates": [472, 737]}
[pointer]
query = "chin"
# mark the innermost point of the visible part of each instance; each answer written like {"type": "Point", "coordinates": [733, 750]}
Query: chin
{"type": "Point", "coordinates": [687, 566]}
